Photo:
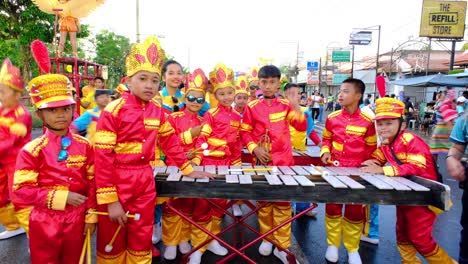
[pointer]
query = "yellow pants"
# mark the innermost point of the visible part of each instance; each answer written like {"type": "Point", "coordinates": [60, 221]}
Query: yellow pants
{"type": "Point", "coordinates": [272, 215]}
{"type": "Point", "coordinates": [13, 220]}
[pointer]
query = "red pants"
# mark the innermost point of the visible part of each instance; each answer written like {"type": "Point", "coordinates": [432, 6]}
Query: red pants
{"type": "Point", "coordinates": [353, 212]}
{"type": "Point", "coordinates": [136, 191]}
{"type": "Point", "coordinates": [56, 237]}
{"type": "Point", "coordinates": [414, 225]}
{"type": "Point", "coordinates": [7, 172]}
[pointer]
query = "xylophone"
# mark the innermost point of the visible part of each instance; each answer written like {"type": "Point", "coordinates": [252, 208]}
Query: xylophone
{"type": "Point", "coordinates": [303, 184]}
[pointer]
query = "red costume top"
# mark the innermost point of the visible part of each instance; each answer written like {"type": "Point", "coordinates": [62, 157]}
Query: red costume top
{"type": "Point", "coordinates": [412, 151]}
{"type": "Point", "coordinates": [273, 119]}
{"type": "Point", "coordinates": [127, 132]}
{"type": "Point", "coordinates": [183, 122]}
{"type": "Point", "coordinates": [15, 132]}
{"type": "Point", "coordinates": [44, 182]}
{"type": "Point", "coordinates": [350, 138]}
{"type": "Point", "coordinates": [221, 131]}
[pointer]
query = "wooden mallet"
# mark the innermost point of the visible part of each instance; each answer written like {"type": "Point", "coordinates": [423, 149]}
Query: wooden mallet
{"type": "Point", "coordinates": [135, 216]}
{"type": "Point", "coordinates": [110, 246]}
{"type": "Point", "coordinates": [334, 162]}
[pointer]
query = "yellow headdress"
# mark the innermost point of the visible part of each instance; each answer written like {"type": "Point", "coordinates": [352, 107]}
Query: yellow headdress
{"type": "Point", "coordinates": [146, 56]}
{"type": "Point", "coordinates": [242, 85]}
{"type": "Point", "coordinates": [221, 77]}
{"type": "Point", "coordinates": [253, 74]}
{"type": "Point", "coordinates": [11, 77]}
{"type": "Point", "coordinates": [196, 81]}
{"type": "Point", "coordinates": [388, 108]}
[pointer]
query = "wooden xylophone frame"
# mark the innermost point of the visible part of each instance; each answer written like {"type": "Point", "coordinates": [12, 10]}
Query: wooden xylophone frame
{"type": "Point", "coordinates": [437, 195]}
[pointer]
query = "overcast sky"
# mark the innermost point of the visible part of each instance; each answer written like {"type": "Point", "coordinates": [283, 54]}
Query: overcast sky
{"type": "Point", "coordinates": [204, 32]}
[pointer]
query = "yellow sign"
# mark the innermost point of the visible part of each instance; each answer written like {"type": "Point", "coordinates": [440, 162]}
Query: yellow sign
{"type": "Point", "coordinates": [443, 19]}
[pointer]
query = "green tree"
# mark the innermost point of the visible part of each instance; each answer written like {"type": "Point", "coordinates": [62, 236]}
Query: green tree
{"type": "Point", "coordinates": [21, 22]}
{"type": "Point", "coordinates": [111, 50]}
{"type": "Point", "coordinates": [465, 46]}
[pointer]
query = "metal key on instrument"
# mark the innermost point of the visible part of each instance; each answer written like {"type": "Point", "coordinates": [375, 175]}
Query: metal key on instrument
{"type": "Point", "coordinates": [350, 182]}
{"type": "Point", "coordinates": [286, 170]}
{"type": "Point", "coordinates": [245, 179]}
{"type": "Point", "coordinates": [273, 179]}
{"type": "Point", "coordinates": [302, 180]}
{"type": "Point", "coordinates": [288, 180]}
{"type": "Point", "coordinates": [231, 178]}
{"type": "Point", "coordinates": [411, 184]}
{"type": "Point", "coordinates": [174, 177]}
{"type": "Point", "coordinates": [376, 182]}
{"type": "Point", "coordinates": [300, 170]}
{"type": "Point", "coordinates": [333, 181]}
{"type": "Point", "coordinates": [396, 185]}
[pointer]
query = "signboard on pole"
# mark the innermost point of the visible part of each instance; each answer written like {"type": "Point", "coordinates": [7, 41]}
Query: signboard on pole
{"type": "Point", "coordinates": [360, 38]}
{"type": "Point", "coordinates": [312, 65]}
{"type": "Point", "coordinates": [443, 19]}
{"type": "Point", "coordinates": [341, 56]}
{"type": "Point", "coordinates": [338, 78]}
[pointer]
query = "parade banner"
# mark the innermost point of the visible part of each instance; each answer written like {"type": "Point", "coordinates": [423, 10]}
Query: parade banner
{"type": "Point", "coordinates": [443, 19]}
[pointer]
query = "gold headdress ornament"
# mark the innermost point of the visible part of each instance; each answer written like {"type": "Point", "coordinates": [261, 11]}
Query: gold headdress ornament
{"type": "Point", "coordinates": [48, 90]}
{"type": "Point", "coordinates": [221, 77]}
{"type": "Point", "coordinates": [196, 81]}
{"type": "Point", "coordinates": [11, 77]}
{"type": "Point", "coordinates": [388, 108]}
{"type": "Point", "coordinates": [242, 84]}
{"type": "Point", "coordinates": [147, 56]}
{"type": "Point", "coordinates": [253, 74]}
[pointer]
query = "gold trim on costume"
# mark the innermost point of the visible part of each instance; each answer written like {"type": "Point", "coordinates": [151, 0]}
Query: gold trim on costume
{"type": "Point", "coordinates": [129, 148]}
{"type": "Point", "coordinates": [106, 195]}
{"type": "Point", "coordinates": [166, 129]}
{"type": "Point", "coordinates": [105, 139]}
{"type": "Point", "coordinates": [277, 117]}
{"type": "Point", "coordinates": [216, 142]}
{"type": "Point", "coordinates": [76, 161]}
{"type": "Point", "coordinates": [356, 130]}
{"type": "Point", "coordinates": [337, 146]}
{"type": "Point", "coordinates": [35, 146]}
{"type": "Point", "coordinates": [151, 123]}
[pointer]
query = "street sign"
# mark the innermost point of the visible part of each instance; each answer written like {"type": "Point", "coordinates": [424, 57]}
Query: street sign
{"type": "Point", "coordinates": [360, 38]}
{"type": "Point", "coordinates": [312, 65]}
{"type": "Point", "coordinates": [341, 56]}
{"type": "Point", "coordinates": [338, 78]}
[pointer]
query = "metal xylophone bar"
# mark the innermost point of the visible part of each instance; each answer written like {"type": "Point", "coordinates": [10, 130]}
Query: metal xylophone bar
{"type": "Point", "coordinates": [303, 184]}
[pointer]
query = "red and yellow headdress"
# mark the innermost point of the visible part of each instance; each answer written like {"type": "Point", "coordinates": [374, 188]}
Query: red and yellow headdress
{"type": "Point", "coordinates": [389, 108]}
{"type": "Point", "coordinates": [121, 88]}
{"type": "Point", "coordinates": [146, 56]}
{"type": "Point", "coordinates": [221, 77]}
{"type": "Point", "coordinates": [242, 84]}
{"type": "Point", "coordinates": [196, 81]}
{"type": "Point", "coordinates": [253, 74]}
{"type": "Point", "coordinates": [48, 90]}
{"type": "Point", "coordinates": [11, 77]}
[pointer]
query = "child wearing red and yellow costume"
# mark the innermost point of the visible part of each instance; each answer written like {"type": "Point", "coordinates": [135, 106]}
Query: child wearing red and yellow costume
{"type": "Point", "coordinates": [411, 156]}
{"type": "Point", "coordinates": [55, 174]}
{"type": "Point", "coordinates": [187, 125]}
{"type": "Point", "coordinates": [348, 137]}
{"type": "Point", "coordinates": [126, 138]}
{"type": "Point", "coordinates": [15, 132]}
{"type": "Point", "coordinates": [220, 132]}
{"type": "Point", "coordinates": [271, 117]}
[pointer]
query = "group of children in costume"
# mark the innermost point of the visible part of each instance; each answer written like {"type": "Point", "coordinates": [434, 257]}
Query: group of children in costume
{"type": "Point", "coordinates": [72, 185]}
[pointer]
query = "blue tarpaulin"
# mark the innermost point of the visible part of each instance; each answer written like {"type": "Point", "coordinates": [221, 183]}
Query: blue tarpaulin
{"type": "Point", "coordinates": [432, 80]}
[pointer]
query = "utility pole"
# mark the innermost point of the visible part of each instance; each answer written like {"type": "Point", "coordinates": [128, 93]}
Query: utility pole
{"type": "Point", "coordinates": [138, 21]}
{"type": "Point", "coordinates": [352, 62]}
{"type": "Point", "coordinates": [377, 63]}
{"type": "Point", "coordinates": [452, 54]}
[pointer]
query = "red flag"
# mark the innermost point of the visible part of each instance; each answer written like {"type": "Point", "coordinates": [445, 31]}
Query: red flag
{"type": "Point", "coordinates": [381, 86]}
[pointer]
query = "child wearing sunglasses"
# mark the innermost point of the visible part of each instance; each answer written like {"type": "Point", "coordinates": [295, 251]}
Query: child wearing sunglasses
{"type": "Point", "coordinates": [220, 133]}
{"type": "Point", "coordinates": [15, 132]}
{"type": "Point", "coordinates": [127, 133]}
{"type": "Point", "coordinates": [187, 126]}
{"type": "Point", "coordinates": [55, 174]}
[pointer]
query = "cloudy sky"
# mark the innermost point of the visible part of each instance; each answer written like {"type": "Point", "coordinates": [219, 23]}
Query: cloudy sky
{"type": "Point", "coordinates": [204, 32]}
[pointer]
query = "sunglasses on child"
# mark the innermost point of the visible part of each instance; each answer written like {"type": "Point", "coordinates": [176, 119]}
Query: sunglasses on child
{"type": "Point", "coordinates": [253, 87]}
{"type": "Point", "coordinates": [191, 98]}
{"type": "Point", "coordinates": [63, 153]}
